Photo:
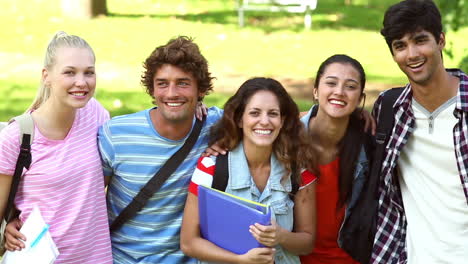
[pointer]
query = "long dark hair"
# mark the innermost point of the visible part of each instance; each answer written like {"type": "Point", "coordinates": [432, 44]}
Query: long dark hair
{"type": "Point", "coordinates": [351, 143]}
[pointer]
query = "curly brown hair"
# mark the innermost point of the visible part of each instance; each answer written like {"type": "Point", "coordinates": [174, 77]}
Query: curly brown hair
{"type": "Point", "coordinates": [183, 53]}
{"type": "Point", "coordinates": [291, 144]}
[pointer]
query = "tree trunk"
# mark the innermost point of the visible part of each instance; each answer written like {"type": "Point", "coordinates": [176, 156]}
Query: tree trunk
{"type": "Point", "coordinates": [84, 8]}
{"type": "Point", "coordinates": [348, 2]}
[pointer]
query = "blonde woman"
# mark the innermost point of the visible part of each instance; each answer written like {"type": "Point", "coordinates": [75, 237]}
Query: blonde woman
{"type": "Point", "coordinates": [65, 178]}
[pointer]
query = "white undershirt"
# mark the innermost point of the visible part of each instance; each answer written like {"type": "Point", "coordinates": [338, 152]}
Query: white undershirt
{"type": "Point", "coordinates": [433, 197]}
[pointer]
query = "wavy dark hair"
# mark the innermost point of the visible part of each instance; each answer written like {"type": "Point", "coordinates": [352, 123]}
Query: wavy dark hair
{"type": "Point", "coordinates": [411, 16]}
{"type": "Point", "coordinates": [350, 145]}
{"type": "Point", "coordinates": [290, 146]}
{"type": "Point", "coordinates": [183, 53]}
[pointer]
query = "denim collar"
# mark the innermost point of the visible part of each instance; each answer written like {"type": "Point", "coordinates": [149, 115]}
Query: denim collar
{"type": "Point", "coordinates": [311, 113]}
{"type": "Point", "coordinates": [239, 167]}
{"type": "Point", "coordinates": [362, 154]}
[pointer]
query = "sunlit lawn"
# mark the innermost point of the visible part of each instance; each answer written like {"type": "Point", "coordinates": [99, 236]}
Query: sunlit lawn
{"type": "Point", "coordinates": [274, 45]}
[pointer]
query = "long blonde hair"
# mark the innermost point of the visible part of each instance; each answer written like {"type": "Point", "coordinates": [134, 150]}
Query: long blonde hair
{"type": "Point", "coordinates": [59, 40]}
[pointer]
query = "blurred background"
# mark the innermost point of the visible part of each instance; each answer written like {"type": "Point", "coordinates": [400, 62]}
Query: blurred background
{"type": "Point", "coordinates": [274, 44]}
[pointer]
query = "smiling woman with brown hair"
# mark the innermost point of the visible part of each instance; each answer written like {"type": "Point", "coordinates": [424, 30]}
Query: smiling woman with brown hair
{"type": "Point", "coordinates": [263, 134]}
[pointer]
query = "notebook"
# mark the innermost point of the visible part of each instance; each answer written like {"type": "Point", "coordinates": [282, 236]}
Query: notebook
{"type": "Point", "coordinates": [40, 248]}
{"type": "Point", "coordinates": [225, 219]}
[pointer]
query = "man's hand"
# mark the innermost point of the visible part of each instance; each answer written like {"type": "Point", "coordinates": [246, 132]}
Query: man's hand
{"type": "Point", "coordinates": [369, 122]}
{"type": "Point", "coordinates": [214, 150]}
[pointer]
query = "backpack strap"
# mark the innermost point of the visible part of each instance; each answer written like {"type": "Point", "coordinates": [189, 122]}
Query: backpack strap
{"type": "Point", "coordinates": [382, 135]}
{"type": "Point", "coordinates": [26, 127]}
{"type": "Point", "coordinates": [385, 122]}
{"type": "Point", "coordinates": [221, 174]}
{"type": "Point", "coordinates": [295, 173]}
{"type": "Point", "coordinates": [370, 200]}
{"type": "Point", "coordinates": [153, 185]}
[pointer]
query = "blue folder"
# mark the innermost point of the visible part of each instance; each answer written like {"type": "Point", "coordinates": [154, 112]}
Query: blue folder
{"type": "Point", "coordinates": [225, 219]}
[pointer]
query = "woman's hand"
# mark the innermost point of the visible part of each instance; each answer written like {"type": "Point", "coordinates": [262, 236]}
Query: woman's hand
{"type": "Point", "coordinates": [269, 236]}
{"type": "Point", "coordinates": [13, 237]}
{"type": "Point", "coordinates": [258, 256]}
{"type": "Point", "coordinates": [201, 110]}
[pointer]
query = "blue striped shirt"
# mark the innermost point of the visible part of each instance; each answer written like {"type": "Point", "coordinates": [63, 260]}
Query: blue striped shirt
{"type": "Point", "coordinates": [132, 152]}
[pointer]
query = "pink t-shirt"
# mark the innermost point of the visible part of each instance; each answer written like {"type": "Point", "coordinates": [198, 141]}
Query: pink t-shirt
{"type": "Point", "coordinates": [65, 180]}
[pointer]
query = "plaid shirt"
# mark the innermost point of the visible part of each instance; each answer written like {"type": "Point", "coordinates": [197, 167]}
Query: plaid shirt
{"type": "Point", "coordinates": [390, 238]}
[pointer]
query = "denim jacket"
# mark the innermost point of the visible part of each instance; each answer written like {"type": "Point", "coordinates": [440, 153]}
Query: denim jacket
{"type": "Point", "coordinates": [275, 194]}
{"type": "Point", "coordinates": [360, 174]}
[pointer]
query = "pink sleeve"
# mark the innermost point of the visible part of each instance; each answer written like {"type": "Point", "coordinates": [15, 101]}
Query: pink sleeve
{"type": "Point", "coordinates": [9, 148]}
{"type": "Point", "coordinates": [203, 174]}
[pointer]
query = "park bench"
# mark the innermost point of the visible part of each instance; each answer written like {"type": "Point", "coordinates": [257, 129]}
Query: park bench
{"type": "Point", "coordinates": [291, 6]}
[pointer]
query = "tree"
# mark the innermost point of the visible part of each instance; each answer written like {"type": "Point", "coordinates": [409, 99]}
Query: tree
{"type": "Point", "coordinates": [454, 12]}
{"type": "Point", "coordinates": [84, 8]}
{"type": "Point", "coordinates": [455, 16]}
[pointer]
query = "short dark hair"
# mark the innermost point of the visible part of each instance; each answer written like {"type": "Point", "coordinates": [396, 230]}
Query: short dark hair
{"type": "Point", "coordinates": [411, 16]}
{"type": "Point", "coordinates": [290, 145]}
{"type": "Point", "coordinates": [183, 53]}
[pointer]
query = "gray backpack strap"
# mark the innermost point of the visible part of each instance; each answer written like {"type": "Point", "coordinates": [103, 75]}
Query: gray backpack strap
{"type": "Point", "coordinates": [26, 125]}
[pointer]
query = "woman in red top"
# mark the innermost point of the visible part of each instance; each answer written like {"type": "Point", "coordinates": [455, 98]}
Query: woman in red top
{"type": "Point", "coordinates": [336, 132]}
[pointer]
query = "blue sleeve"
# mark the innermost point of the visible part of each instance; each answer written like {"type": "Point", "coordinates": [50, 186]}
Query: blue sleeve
{"type": "Point", "coordinates": [106, 149]}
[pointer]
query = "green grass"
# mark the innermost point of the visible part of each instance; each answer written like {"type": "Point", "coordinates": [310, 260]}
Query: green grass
{"type": "Point", "coordinates": [274, 45]}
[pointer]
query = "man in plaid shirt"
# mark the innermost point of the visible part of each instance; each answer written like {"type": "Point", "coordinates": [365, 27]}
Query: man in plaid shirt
{"type": "Point", "coordinates": [423, 191]}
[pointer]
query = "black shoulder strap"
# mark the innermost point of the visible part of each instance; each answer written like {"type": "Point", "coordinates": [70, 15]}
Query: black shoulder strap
{"type": "Point", "coordinates": [368, 203]}
{"type": "Point", "coordinates": [26, 125]}
{"type": "Point", "coordinates": [384, 130]}
{"type": "Point", "coordinates": [221, 174]}
{"type": "Point", "coordinates": [385, 122]}
{"type": "Point", "coordinates": [24, 161]}
{"type": "Point", "coordinates": [294, 180]}
{"type": "Point", "coordinates": [153, 185]}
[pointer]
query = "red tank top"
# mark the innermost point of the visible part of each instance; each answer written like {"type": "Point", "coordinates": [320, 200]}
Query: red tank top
{"type": "Point", "coordinates": [329, 219]}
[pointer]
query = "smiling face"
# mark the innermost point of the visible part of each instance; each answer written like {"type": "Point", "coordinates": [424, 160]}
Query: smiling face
{"type": "Point", "coordinates": [72, 78]}
{"type": "Point", "coordinates": [339, 90]}
{"type": "Point", "coordinates": [419, 56]}
{"type": "Point", "coordinates": [176, 94]}
{"type": "Point", "coordinates": [261, 121]}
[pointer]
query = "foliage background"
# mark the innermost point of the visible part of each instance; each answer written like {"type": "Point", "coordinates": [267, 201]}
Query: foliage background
{"type": "Point", "coordinates": [272, 44]}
